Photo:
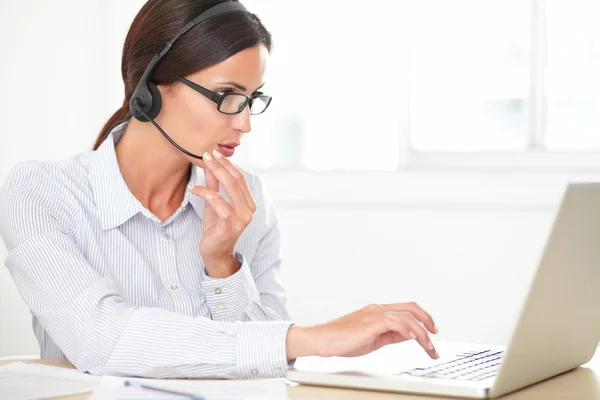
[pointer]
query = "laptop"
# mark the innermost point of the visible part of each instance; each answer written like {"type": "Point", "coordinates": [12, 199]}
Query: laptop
{"type": "Point", "coordinates": [558, 328]}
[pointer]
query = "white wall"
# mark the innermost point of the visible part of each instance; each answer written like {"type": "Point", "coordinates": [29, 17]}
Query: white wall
{"type": "Point", "coordinates": [462, 244]}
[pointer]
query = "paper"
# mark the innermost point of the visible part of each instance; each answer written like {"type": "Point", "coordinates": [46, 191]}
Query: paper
{"type": "Point", "coordinates": [112, 388]}
{"type": "Point", "coordinates": [21, 381]}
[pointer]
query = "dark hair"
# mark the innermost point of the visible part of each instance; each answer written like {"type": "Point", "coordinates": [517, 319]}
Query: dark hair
{"type": "Point", "coordinates": [207, 44]}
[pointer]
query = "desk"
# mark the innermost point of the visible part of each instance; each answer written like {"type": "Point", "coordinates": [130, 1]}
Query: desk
{"type": "Point", "coordinates": [581, 384]}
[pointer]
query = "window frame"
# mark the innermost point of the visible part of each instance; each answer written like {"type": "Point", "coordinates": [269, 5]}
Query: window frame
{"type": "Point", "coordinates": [535, 157]}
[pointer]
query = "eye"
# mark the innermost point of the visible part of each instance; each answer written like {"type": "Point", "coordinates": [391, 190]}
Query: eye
{"type": "Point", "coordinates": [223, 92]}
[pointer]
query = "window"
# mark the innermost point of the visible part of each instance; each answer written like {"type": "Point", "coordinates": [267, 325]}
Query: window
{"type": "Point", "coordinates": [423, 78]}
{"type": "Point", "coordinates": [572, 75]}
{"type": "Point", "coordinates": [469, 77]}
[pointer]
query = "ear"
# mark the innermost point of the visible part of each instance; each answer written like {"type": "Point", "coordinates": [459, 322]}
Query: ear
{"type": "Point", "coordinates": [156, 100]}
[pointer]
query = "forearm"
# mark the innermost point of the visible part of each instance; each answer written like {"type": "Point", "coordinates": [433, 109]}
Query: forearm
{"type": "Point", "coordinates": [161, 344]}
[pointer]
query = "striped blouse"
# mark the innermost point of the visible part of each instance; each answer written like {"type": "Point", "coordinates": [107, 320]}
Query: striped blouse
{"type": "Point", "coordinates": [116, 291]}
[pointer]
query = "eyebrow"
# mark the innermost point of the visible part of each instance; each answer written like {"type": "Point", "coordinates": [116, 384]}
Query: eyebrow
{"type": "Point", "coordinates": [240, 87]}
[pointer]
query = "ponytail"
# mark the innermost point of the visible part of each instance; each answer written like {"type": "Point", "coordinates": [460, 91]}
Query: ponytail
{"type": "Point", "coordinates": [121, 115]}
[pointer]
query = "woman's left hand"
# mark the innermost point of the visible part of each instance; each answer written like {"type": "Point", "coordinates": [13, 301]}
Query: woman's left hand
{"type": "Point", "coordinates": [223, 221]}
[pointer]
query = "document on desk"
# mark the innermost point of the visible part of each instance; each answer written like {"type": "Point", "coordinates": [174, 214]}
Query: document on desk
{"type": "Point", "coordinates": [113, 388]}
{"type": "Point", "coordinates": [21, 381]}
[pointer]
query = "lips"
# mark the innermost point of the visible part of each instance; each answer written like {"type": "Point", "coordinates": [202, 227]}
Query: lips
{"type": "Point", "coordinates": [226, 150]}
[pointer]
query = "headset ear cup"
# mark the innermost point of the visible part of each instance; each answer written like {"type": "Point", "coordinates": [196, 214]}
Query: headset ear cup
{"type": "Point", "coordinates": [156, 101]}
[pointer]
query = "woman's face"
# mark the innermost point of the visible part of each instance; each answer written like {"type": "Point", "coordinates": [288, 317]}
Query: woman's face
{"type": "Point", "coordinates": [193, 121]}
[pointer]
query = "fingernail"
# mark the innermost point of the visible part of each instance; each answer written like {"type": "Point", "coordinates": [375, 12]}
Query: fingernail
{"type": "Point", "coordinates": [435, 330]}
{"type": "Point", "coordinates": [190, 187]}
{"type": "Point", "coordinates": [412, 335]}
{"type": "Point", "coordinates": [209, 196]}
{"type": "Point", "coordinates": [207, 156]}
{"type": "Point", "coordinates": [217, 154]}
{"type": "Point", "coordinates": [436, 355]}
{"type": "Point", "coordinates": [430, 346]}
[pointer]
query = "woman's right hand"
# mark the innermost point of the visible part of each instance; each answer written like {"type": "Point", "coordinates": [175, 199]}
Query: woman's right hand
{"type": "Point", "coordinates": [364, 331]}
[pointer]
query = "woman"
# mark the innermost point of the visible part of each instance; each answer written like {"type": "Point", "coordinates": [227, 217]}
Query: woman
{"type": "Point", "coordinates": [130, 258]}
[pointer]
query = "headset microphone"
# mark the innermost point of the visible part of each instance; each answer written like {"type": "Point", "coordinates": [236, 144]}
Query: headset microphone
{"type": "Point", "coordinates": [184, 151]}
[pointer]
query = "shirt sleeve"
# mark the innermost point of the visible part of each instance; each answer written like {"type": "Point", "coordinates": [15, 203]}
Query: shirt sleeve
{"type": "Point", "coordinates": [254, 292]}
{"type": "Point", "coordinates": [87, 318]}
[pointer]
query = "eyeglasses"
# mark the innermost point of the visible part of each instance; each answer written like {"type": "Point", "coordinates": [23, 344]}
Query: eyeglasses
{"type": "Point", "coordinates": [232, 103]}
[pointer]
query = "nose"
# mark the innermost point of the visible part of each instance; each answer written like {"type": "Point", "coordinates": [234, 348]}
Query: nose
{"type": "Point", "coordinates": [241, 121]}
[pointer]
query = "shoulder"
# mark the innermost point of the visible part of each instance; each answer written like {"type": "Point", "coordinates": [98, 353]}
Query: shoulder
{"type": "Point", "coordinates": [40, 173]}
{"type": "Point", "coordinates": [37, 196]}
{"type": "Point", "coordinates": [251, 178]}
{"type": "Point", "coordinates": [256, 185]}
{"type": "Point", "coordinates": [47, 179]}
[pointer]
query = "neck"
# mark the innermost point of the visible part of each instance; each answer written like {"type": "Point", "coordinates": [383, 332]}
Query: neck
{"type": "Point", "coordinates": [155, 172]}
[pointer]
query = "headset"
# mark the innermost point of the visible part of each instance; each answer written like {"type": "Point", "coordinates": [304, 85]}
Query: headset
{"type": "Point", "coordinates": [146, 101]}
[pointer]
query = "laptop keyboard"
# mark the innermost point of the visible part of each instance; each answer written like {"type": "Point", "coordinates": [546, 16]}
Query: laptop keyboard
{"type": "Point", "coordinates": [472, 366]}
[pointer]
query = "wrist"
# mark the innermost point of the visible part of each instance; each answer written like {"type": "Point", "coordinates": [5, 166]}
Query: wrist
{"type": "Point", "coordinates": [223, 267]}
{"type": "Point", "coordinates": [300, 342]}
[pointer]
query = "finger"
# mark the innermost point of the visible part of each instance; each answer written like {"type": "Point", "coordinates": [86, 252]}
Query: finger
{"type": "Point", "coordinates": [210, 218]}
{"type": "Point", "coordinates": [229, 185]}
{"type": "Point", "coordinates": [394, 324]}
{"type": "Point", "coordinates": [214, 199]}
{"type": "Point", "coordinates": [239, 178]}
{"type": "Point", "coordinates": [392, 338]}
{"type": "Point", "coordinates": [422, 337]}
{"type": "Point", "coordinates": [212, 182]}
{"type": "Point", "coordinates": [387, 338]}
{"type": "Point", "coordinates": [416, 310]}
